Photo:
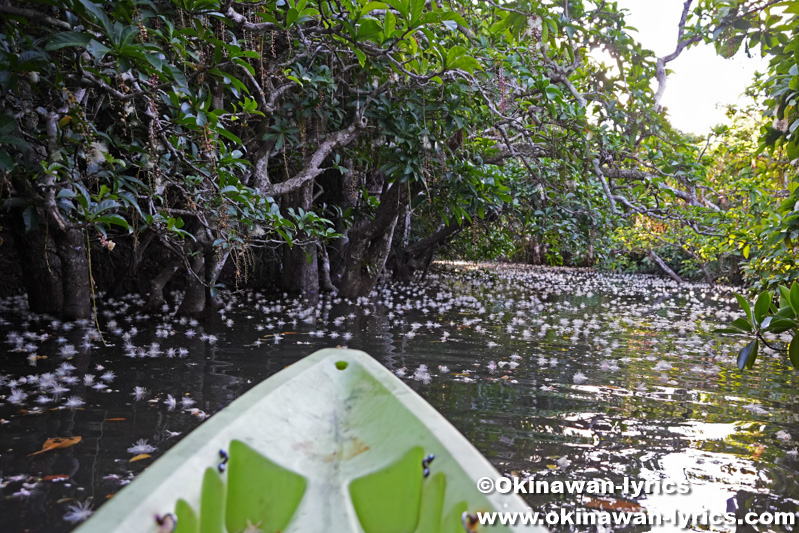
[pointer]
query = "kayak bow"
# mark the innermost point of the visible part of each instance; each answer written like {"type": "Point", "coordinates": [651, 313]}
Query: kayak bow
{"type": "Point", "coordinates": [335, 442]}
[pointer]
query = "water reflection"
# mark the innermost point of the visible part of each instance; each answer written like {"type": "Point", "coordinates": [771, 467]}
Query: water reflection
{"type": "Point", "coordinates": [556, 374]}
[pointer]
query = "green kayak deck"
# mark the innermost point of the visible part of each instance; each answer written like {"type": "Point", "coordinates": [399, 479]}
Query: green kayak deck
{"type": "Point", "coordinates": [335, 442]}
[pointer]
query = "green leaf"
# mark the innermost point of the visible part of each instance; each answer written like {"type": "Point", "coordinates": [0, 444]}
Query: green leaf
{"type": "Point", "coordinates": [729, 47]}
{"type": "Point", "coordinates": [100, 15]}
{"type": "Point", "coordinates": [97, 49]}
{"type": "Point", "coordinates": [793, 351]}
{"type": "Point", "coordinates": [552, 92]}
{"type": "Point", "coordinates": [361, 56]}
{"type": "Point", "coordinates": [66, 193]}
{"type": "Point", "coordinates": [7, 163]}
{"type": "Point", "coordinates": [499, 26]}
{"type": "Point", "coordinates": [454, 53]}
{"type": "Point", "coordinates": [451, 25]}
{"type": "Point", "coordinates": [105, 205]}
{"type": "Point", "coordinates": [390, 24]}
{"type": "Point", "coordinates": [296, 79]}
{"type": "Point", "coordinates": [785, 295]}
{"type": "Point", "coordinates": [792, 148]}
{"type": "Point", "coordinates": [417, 6]}
{"type": "Point", "coordinates": [454, 17]}
{"type": "Point", "coordinates": [225, 133]}
{"type": "Point", "coordinates": [747, 355]}
{"type": "Point", "coordinates": [68, 38]}
{"type": "Point", "coordinates": [762, 306]}
{"type": "Point", "coordinates": [180, 78]}
{"type": "Point", "coordinates": [14, 201]}
{"type": "Point", "coordinates": [115, 219]}
{"type": "Point", "coordinates": [291, 16]}
{"type": "Point", "coordinates": [400, 5]}
{"type": "Point", "coordinates": [742, 324]}
{"type": "Point", "coordinates": [794, 297]}
{"type": "Point", "coordinates": [468, 64]}
{"type": "Point", "coordinates": [30, 217]}
{"type": "Point", "coordinates": [368, 29]}
{"type": "Point", "coordinates": [744, 305]}
{"type": "Point", "coordinates": [372, 6]}
{"type": "Point", "coordinates": [780, 325]}
{"type": "Point", "coordinates": [785, 312]}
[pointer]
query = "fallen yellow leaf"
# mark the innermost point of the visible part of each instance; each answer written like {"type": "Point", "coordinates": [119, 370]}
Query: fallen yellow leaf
{"type": "Point", "coordinates": [57, 442]}
{"type": "Point", "coordinates": [140, 457]}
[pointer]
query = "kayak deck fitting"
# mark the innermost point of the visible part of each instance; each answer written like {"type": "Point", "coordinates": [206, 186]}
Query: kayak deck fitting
{"type": "Point", "coordinates": [334, 442]}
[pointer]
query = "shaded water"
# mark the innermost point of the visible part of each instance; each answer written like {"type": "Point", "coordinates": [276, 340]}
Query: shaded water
{"type": "Point", "coordinates": [593, 377]}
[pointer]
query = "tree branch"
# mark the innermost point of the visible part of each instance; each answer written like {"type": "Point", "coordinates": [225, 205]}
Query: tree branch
{"type": "Point", "coordinates": [49, 181]}
{"type": "Point", "coordinates": [313, 168]}
{"type": "Point", "coordinates": [639, 175]}
{"type": "Point", "coordinates": [34, 16]}
{"type": "Point", "coordinates": [255, 27]}
{"type": "Point", "coordinates": [662, 264]}
{"type": "Point", "coordinates": [681, 45]}
{"type": "Point", "coordinates": [516, 150]}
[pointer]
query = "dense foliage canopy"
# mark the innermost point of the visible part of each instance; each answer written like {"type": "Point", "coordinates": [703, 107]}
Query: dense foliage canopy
{"type": "Point", "coordinates": [338, 140]}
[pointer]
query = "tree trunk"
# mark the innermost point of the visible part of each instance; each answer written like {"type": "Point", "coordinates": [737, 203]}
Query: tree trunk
{"type": "Point", "coordinates": [705, 271]}
{"type": "Point", "coordinates": [591, 237]}
{"type": "Point", "coordinates": [214, 263]}
{"type": "Point", "coordinates": [301, 271]}
{"type": "Point", "coordinates": [156, 298]}
{"type": "Point", "coordinates": [325, 282]}
{"type": "Point", "coordinates": [194, 300]}
{"type": "Point", "coordinates": [300, 268]}
{"type": "Point", "coordinates": [55, 270]}
{"type": "Point", "coordinates": [368, 247]}
{"type": "Point", "coordinates": [41, 267]}
{"type": "Point", "coordinates": [403, 230]}
{"type": "Point", "coordinates": [364, 262]}
{"type": "Point", "coordinates": [419, 255]}
{"type": "Point", "coordinates": [119, 285]}
{"type": "Point", "coordinates": [656, 258]}
{"type": "Point", "coordinates": [71, 246]}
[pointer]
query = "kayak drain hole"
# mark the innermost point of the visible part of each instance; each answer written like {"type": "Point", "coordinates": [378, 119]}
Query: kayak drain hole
{"type": "Point", "coordinates": [341, 365]}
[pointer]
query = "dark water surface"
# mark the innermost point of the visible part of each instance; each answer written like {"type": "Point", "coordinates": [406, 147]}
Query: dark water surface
{"type": "Point", "coordinates": [556, 373]}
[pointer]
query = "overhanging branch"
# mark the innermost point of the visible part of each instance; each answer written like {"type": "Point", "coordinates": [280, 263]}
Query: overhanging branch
{"type": "Point", "coordinates": [638, 175]}
{"type": "Point", "coordinates": [34, 16]}
{"type": "Point", "coordinates": [516, 150]}
{"type": "Point", "coordinates": [314, 166]}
